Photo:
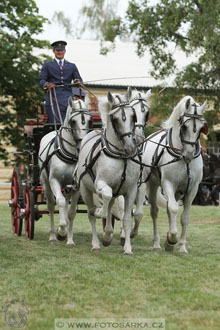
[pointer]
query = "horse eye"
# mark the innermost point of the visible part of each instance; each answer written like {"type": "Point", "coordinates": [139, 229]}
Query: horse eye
{"type": "Point", "coordinates": [184, 128]}
{"type": "Point", "coordinates": [73, 121]}
{"type": "Point", "coordinates": [115, 120]}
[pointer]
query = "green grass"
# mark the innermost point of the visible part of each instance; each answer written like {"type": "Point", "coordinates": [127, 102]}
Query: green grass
{"type": "Point", "coordinates": [56, 281]}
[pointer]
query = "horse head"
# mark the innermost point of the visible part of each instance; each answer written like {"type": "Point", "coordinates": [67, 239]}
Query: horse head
{"type": "Point", "coordinates": [121, 121]}
{"type": "Point", "coordinates": [140, 104]}
{"type": "Point", "coordinates": [191, 124]}
{"type": "Point", "coordinates": [78, 118]}
{"type": "Point", "coordinates": [187, 122]}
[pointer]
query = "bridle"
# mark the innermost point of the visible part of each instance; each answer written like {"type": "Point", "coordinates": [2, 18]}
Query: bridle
{"type": "Point", "coordinates": [143, 105]}
{"type": "Point", "coordinates": [83, 112]}
{"type": "Point", "coordinates": [193, 116]}
{"type": "Point", "coordinates": [121, 106]}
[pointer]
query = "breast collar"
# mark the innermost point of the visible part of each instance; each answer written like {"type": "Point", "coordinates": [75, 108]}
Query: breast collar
{"type": "Point", "coordinates": [62, 153]}
{"type": "Point", "coordinates": [118, 154]}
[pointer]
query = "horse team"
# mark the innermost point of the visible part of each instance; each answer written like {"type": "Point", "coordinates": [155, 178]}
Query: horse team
{"type": "Point", "coordinates": [116, 166]}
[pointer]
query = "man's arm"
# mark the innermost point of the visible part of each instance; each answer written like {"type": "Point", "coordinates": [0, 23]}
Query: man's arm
{"type": "Point", "coordinates": [43, 77]}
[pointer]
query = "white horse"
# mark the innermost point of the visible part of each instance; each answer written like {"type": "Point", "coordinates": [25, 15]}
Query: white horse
{"type": "Point", "coordinates": [58, 156]}
{"type": "Point", "coordinates": [140, 103]}
{"type": "Point", "coordinates": [105, 166]}
{"type": "Point", "coordinates": [173, 161]}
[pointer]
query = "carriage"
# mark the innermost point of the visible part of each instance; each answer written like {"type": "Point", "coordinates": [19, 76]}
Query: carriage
{"type": "Point", "coordinates": [27, 193]}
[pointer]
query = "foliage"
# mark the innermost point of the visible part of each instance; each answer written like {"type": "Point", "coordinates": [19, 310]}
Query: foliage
{"type": "Point", "coordinates": [97, 16]}
{"type": "Point", "coordinates": [185, 25]}
{"type": "Point", "coordinates": [56, 281]}
{"type": "Point", "coordinates": [65, 22]}
{"type": "Point", "coordinates": [19, 68]}
{"type": "Point", "coordinates": [192, 26]}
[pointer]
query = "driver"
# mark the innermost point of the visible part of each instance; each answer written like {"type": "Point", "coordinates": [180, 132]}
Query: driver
{"type": "Point", "coordinates": [58, 72]}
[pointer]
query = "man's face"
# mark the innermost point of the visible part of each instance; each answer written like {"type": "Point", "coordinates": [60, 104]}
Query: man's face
{"type": "Point", "coordinates": [59, 53]}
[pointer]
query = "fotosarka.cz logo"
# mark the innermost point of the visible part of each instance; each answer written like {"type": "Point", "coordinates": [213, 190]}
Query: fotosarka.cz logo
{"type": "Point", "coordinates": [16, 314]}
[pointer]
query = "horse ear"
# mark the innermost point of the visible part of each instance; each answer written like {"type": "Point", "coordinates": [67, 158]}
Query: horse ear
{"type": "Point", "coordinates": [202, 108]}
{"type": "Point", "coordinates": [148, 93]}
{"type": "Point", "coordinates": [70, 101]}
{"type": "Point", "coordinates": [110, 98]}
{"type": "Point", "coordinates": [128, 94]}
{"type": "Point", "coordinates": [87, 100]}
{"type": "Point", "coordinates": [187, 104]}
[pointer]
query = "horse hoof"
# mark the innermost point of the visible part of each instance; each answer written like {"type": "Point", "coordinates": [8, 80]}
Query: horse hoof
{"type": "Point", "coordinates": [70, 244]}
{"type": "Point", "coordinates": [128, 253]}
{"type": "Point", "coordinates": [61, 238]}
{"type": "Point", "coordinates": [157, 249]}
{"type": "Point", "coordinates": [168, 247]}
{"type": "Point", "coordinates": [96, 250]}
{"type": "Point", "coordinates": [52, 241]}
{"type": "Point", "coordinates": [183, 251]}
{"type": "Point", "coordinates": [106, 243]}
{"type": "Point", "coordinates": [122, 241]}
{"type": "Point", "coordinates": [133, 234]}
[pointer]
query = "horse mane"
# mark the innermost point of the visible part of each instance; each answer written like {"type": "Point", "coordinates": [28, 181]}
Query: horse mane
{"type": "Point", "coordinates": [135, 93]}
{"type": "Point", "coordinates": [104, 108]}
{"type": "Point", "coordinates": [178, 111]}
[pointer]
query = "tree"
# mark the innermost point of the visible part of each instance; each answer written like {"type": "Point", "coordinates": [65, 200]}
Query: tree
{"type": "Point", "coordinates": [184, 24]}
{"type": "Point", "coordinates": [193, 26]}
{"type": "Point", "coordinates": [19, 68]}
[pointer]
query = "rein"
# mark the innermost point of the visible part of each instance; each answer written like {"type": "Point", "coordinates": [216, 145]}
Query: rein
{"type": "Point", "coordinates": [52, 107]}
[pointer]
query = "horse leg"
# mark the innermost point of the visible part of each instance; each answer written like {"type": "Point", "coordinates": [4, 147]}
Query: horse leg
{"type": "Point", "coordinates": [87, 196]}
{"type": "Point", "coordinates": [51, 207]}
{"type": "Point", "coordinates": [103, 190]}
{"type": "Point", "coordinates": [154, 214]}
{"type": "Point", "coordinates": [172, 209]}
{"type": "Point", "coordinates": [118, 211]}
{"type": "Point", "coordinates": [71, 216]}
{"type": "Point", "coordinates": [127, 220]}
{"type": "Point", "coordinates": [62, 205]}
{"type": "Point", "coordinates": [138, 213]}
{"type": "Point", "coordinates": [184, 219]}
{"type": "Point", "coordinates": [108, 232]}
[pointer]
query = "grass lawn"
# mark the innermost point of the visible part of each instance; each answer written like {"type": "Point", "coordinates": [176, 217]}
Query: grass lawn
{"type": "Point", "coordinates": [56, 281]}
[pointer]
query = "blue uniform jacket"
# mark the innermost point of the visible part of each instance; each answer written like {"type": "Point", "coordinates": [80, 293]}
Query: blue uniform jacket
{"type": "Point", "coordinates": [51, 72]}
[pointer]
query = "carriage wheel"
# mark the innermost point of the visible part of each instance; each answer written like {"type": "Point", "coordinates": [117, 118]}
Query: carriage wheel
{"type": "Point", "coordinates": [16, 202]}
{"type": "Point", "coordinates": [29, 212]}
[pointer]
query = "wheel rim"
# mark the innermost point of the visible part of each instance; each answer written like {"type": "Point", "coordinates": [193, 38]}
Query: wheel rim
{"type": "Point", "coordinates": [16, 207]}
{"type": "Point", "coordinates": [29, 213]}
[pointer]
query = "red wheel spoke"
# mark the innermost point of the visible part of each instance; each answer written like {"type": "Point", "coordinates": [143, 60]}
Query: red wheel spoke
{"type": "Point", "coordinates": [29, 213]}
{"type": "Point", "coordinates": [16, 194]}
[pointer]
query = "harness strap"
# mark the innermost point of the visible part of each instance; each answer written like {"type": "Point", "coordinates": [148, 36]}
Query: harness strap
{"type": "Point", "coordinates": [189, 177]}
{"type": "Point", "coordinates": [156, 158]}
{"type": "Point", "coordinates": [122, 178]}
{"type": "Point", "coordinates": [109, 152]}
{"type": "Point", "coordinates": [92, 160]}
{"type": "Point", "coordinates": [48, 157]}
{"type": "Point", "coordinates": [62, 153]}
